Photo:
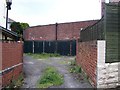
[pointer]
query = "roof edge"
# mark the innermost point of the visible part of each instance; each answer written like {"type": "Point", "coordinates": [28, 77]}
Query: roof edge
{"type": "Point", "coordinates": [64, 23]}
{"type": "Point", "coordinates": [8, 31]}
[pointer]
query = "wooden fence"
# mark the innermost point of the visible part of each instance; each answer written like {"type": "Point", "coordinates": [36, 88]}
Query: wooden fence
{"type": "Point", "coordinates": [108, 29]}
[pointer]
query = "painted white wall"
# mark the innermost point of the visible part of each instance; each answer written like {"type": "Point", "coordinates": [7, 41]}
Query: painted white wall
{"type": "Point", "coordinates": [2, 13]}
{"type": "Point", "coordinates": [9, 26]}
{"type": "Point", "coordinates": [10, 21]}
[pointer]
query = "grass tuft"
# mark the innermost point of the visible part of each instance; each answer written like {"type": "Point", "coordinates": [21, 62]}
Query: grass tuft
{"type": "Point", "coordinates": [74, 68]}
{"type": "Point", "coordinates": [43, 55]}
{"type": "Point", "coordinates": [16, 83]}
{"type": "Point", "coordinates": [50, 77]}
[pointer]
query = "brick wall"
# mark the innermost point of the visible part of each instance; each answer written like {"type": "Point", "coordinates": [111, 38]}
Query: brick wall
{"type": "Point", "coordinates": [46, 32]}
{"type": "Point", "coordinates": [91, 57]}
{"type": "Point", "coordinates": [65, 31]}
{"type": "Point", "coordinates": [87, 59]}
{"type": "Point", "coordinates": [12, 54]}
{"type": "Point", "coordinates": [11, 75]}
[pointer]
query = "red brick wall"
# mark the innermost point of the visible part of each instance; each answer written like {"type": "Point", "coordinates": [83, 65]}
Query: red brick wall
{"type": "Point", "coordinates": [65, 31]}
{"type": "Point", "coordinates": [12, 54]}
{"type": "Point", "coordinates": [72, 30]}
{"type": "Point", "coordinates": [46, 32]}
{"type": "Point", "coordinates": [12, 75]}
{"type": "Point", "coordinates": [87, 58]}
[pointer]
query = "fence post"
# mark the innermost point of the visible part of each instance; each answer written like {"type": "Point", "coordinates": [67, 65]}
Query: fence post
{"type": "Point", "coordinates": [56, 45]}
{"type": "Point", "coordinates": [33, 47]}
{"type": "Point", "coordinates": [43, 46]}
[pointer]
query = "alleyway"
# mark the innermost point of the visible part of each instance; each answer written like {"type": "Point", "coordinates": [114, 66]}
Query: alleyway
{"type": "Point", "coordinates": [33, 70]}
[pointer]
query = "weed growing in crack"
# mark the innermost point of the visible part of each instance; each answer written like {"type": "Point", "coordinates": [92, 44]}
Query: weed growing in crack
{"type": "Point", "coordinates": [50, 77]}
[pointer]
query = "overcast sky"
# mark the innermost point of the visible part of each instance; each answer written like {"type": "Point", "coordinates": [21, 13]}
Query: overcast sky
{"type": "Point", "coordinates": [42, 12]}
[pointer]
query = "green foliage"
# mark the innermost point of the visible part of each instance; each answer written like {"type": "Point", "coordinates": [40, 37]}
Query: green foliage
{"type": "Point", "coordinates": [73, 63]}
{"type": "Point", "coordinates": [24, 25]}
{"type": "Point", "coordinates": [16, 83]}
{"type": "Point", "coordinates": [50, 77]}
{"type": "Point", "coordinates": [43, 55]}
{"type": "Point", "coordinates": [19, 27]}
{"type": "Point", "coordinates": [16, 27]}
{"type": "Point", "coordinates": [75, 68]}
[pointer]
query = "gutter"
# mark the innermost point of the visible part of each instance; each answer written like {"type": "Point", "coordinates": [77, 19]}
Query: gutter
{"type": "Point", "coordinates": [8, 31]}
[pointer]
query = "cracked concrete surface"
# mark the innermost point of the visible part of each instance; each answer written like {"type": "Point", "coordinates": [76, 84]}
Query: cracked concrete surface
{"type": "Point", "coordinates": [33, 70]}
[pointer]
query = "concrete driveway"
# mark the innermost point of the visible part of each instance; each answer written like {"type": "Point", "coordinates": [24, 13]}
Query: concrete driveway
{"type": "Point", "coordinates": [33, 69]}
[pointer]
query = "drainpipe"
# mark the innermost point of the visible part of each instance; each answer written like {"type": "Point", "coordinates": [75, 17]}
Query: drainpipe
{"type": "Point", "coordinates": [56, 29]}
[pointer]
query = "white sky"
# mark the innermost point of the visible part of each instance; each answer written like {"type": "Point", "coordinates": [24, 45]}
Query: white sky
{"type": "Point", "coordinates": [41, 12]}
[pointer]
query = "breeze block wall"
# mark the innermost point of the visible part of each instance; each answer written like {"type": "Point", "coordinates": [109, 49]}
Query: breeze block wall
{"type": "Point", "coordinates": [87, 58]}
{"type": "Point", "coordinates": [12, 59]}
